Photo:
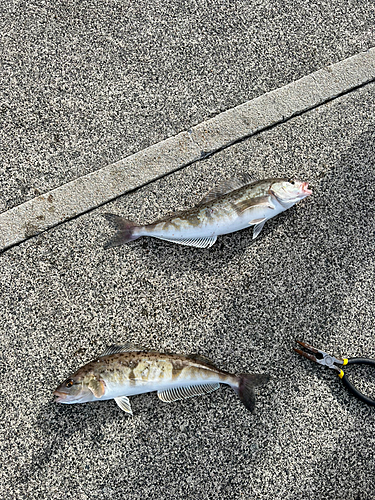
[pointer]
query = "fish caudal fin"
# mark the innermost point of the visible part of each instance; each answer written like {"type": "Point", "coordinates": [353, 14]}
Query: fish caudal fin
{"type": "Point", "coordinates": [125, 230]}
{"type": "Point", "coordinates": [245, 390]}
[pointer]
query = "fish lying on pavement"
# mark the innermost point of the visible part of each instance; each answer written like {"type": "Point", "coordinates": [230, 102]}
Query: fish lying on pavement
{"type": "Point", "coordinates": [127, 370]}
{"type": "Point", "coordinates": [231, 206]}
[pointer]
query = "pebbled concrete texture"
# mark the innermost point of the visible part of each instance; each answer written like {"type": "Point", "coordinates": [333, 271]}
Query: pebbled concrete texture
{"type": "Point", "coordinates": [242, 303]}
{"type": "Point", "coordinates": [103, 185]}
{"type": "Point", "coordinates": [86, 83]}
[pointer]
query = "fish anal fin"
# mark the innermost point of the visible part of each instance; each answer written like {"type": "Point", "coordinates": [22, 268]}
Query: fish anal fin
{"type": "Point", "coordinates": [204, 242]}
{"type": "Point", "coordinates": [124, 403]}
{"type": "Point", "coordinates": [225, 187]}
{"type": "Point", "coordinates": [178, 393]}
{"type": "Point", "coordinates": [97, 387]}
{"type": "Point", "coordinates": [127, 347]}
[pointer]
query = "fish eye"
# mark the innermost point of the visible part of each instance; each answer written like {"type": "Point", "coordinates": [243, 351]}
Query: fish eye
{"type": "Point", "coordinates": [69, 383]}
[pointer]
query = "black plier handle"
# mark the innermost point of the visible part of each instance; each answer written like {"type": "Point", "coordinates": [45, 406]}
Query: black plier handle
{"type": "Point", "coordinates": [349, 385]}
{"type": "Point", "coordinates": [325, 359]}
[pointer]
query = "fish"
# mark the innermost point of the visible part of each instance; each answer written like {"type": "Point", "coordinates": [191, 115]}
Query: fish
{"type": "Point", "coordinates": [233, 205]}
{"type": "Point", "coordinates": [126, 370]}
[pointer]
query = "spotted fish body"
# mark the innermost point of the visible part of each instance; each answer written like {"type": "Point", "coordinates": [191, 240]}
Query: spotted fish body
{"type": "Point", "coordinates": [230, 207]}
{"type": "Point", "coordinates": [127, 370]}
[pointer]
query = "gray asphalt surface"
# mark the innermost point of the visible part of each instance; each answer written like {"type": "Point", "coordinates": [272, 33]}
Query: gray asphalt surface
{"type": "Point", "coordinates": [310, 275]}
{"type": "Point", "coordinates": [85, 83]}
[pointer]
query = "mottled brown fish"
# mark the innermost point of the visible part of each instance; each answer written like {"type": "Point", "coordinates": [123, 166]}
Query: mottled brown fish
{"type": "Point", "coordinates": [229, 207]}
{"type": "Point", "coordinates": [126, 370]}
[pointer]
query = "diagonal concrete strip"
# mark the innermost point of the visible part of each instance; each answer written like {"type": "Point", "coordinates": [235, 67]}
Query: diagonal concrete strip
{"type": "Point", "coordinates": [101, 186]}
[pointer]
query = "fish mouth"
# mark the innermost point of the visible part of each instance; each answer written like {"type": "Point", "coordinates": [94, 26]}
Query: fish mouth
{"type": "Point", "coordinates": [60, 397]}
{"type": "Point", "coordinates": [305, 189]}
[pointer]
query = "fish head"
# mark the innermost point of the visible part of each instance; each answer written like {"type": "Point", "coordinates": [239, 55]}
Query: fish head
{"type": "Point", "coordinates": [290, 191]}
{"type": "Point", "coordinates": [74, 389]}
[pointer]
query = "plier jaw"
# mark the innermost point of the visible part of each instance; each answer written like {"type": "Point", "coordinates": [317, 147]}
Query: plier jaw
{"type": "Point", "coordinates": [320, 357]}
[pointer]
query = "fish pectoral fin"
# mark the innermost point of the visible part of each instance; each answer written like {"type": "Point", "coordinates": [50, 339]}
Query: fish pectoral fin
{"type": "Point", "coordinates": [177, 393]}
{"type": "Point", "coordinates": [257, 228]}
{"type": "Point", "coordinates": [225, 187]}
{"type": "Point", "coordinates": [124, 403]}
{"type": "Point", "coordinates": [127, 347]}
{"type": "Point", "coordinates": [260, 202]}
{"type": "Point", "coordinates": [205, 242]}
{"type": "Point", "coordinates": [97, 387]}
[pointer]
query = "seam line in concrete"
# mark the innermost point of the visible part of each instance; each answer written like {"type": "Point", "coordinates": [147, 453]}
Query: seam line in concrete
{"type": "Point", "coordinates": [93, 190]}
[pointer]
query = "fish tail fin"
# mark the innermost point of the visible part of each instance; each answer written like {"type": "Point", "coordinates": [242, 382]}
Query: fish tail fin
{"type": "Point", "coordinates": [245, 389]}
{"type": "Point", "coordinates": [125, 230]}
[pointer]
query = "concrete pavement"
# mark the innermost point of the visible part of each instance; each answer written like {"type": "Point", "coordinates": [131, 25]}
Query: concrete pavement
{"type": "Point", "coordinates": [85, 84]}
{"type": "Point", "coordinates": [242, 303]}
{"type": "Point", "coordinates": [241, 122]}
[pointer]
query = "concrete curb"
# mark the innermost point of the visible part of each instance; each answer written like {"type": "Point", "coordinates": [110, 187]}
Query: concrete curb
{"type": "Point", "coordinates": [99, 187]}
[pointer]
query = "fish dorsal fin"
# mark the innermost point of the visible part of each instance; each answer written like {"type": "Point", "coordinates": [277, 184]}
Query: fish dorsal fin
{"type": "Point", "coordinates": [192, 242]}
{"type": "Point", "coordinates": [177, 393]}
{"type": "Point", "coordinates": [124, 404]}
{"type": "Point", "coordinates": [225, 187]}
{"type": "Point", "coordinates": [259, 202]}
{"type": "Point", "coordinates": [127, 347]}
{"type": "Point", "coordinates": [201, 359]}
{"type": "Point", "coordinates": [247, 179]}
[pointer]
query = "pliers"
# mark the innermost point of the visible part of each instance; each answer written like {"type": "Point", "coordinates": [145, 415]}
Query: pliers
{"type": "Point", "coordinates": [325, 359]}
